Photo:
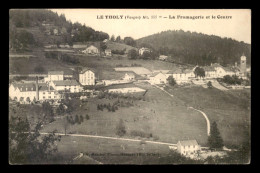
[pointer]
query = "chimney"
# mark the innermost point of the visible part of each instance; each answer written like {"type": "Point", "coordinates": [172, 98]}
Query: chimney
{"type": "Point", "coordinates": [37, 89]}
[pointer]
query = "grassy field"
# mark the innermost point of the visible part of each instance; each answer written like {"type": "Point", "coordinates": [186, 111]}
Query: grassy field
{"type": "Point", "coordinates": [230, 109]}
{"type": "Point", "coordinates": [109, 151]}
{"type": "Point", "coordinates": [159, 114]}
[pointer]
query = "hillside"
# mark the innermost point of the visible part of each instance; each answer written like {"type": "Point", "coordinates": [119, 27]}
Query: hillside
{"type": "Point", "coordinates": [36, 28]}
{"type": "Point", "coordinates": [197, 48]}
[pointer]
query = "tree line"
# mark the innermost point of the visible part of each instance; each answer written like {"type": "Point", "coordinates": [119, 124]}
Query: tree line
{"type": "Point", "coordinates": [197, 48]}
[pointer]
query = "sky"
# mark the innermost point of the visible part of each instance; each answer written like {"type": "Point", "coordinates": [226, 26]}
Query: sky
{"type": "Point", "coordinates": [236, 26]}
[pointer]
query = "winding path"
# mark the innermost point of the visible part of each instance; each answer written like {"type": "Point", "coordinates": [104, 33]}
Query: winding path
{"type": "Point", "coordinates": [205, 116]}
{"type": "Point", "coordinates": [207, 120]}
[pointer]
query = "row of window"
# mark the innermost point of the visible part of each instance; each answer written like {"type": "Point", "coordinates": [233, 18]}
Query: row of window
{"type": "Point", "coordinates": [49, 97]}
{"type": "Point", "coordinates": [189, 146]}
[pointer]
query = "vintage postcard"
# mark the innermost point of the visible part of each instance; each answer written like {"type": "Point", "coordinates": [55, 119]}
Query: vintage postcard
{"type": "Point", "coordinates": [129, 86]}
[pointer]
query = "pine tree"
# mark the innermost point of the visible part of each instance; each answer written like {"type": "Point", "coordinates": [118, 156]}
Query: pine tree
{"type": "Point", "coordinates": [215, 141]}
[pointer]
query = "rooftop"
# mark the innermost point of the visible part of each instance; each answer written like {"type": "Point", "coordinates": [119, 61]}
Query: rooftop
{"type": "Point", "coordinates": [65, 82]}
{"type": "Point", "coordinates": [208, 68]}
{"type": "Point", "coordinates": [188, 142]}
{"type": "Point", "coordinates": [31, 87]}
{"type": "Point", "coordinates": [55, 73]}
{"type": "Point", "coordinates": [86, 69]}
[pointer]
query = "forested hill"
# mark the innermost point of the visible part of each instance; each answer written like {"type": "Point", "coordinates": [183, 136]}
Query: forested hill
{"type": "Point", "coordinates": [197, 48]}
{"type": "Point", "coordinates": [39, 27]}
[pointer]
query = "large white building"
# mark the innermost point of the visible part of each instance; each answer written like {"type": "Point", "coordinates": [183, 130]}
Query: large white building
{"type": "Point", "coordinates": [188, 147]}
{"type": "Point", "coordinates": [87, 77]}
{"type": "Point", "coordinates": [28, 92]}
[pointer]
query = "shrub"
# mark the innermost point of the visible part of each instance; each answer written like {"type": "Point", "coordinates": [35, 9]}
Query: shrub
{"type": "Point", "coordinates": [120, 128]}
{"type": "Point", "coordinates": [81, 118]}
{"type": "Point", "coordinates": [141, 134]}
{"type": "Point", "coordinates": [77, 119]}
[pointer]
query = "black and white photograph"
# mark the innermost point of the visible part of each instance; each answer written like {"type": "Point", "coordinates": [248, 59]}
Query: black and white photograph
{"type": "Point", "coordinates": [129, 86]}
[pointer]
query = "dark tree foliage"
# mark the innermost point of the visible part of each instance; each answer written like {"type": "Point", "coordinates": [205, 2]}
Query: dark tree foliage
{"type": "Point", "coordinates": [209, 84]}
{"type": "Point", "coordinates": [21, 40]}
{"type": "Point", "coordinates": [47, 110]}
{"type": "Point", "coordinates": [215, 141]}
{"type": "Point", "coordinates": [196, 48]}
{"type": "Point", "coordinates": [36, 18]}
{"type": "Point", "coordinates": [130, 41]}
{"type": "Point", "coordinates": [103, 46]}
{"type": "Point", "coordinates": [171, 80]}
{"type": "Point", "coordinates": [118, 39]}
{"type": "Point", "coordinates": [120, 128]}
{"type": "Point", "coordinates": [60, 109]}
{"type": "Point", "coordinates": [30, 147]}
{"type": "Point", "coordinates": [77, 119]}
{"type": "Point", "coordinates": [199, 72]}
{"type": "Point", "coordinates": [132, 54]}
{"type": "Point", "coordinates": [232, 80]}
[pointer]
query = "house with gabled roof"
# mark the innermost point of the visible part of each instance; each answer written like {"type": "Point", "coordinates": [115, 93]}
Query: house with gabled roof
{"type": "Point", "coordinates": [158, 78]}
{"type": "Point", "coordinates": [188, 147]}
{"type": "Point", "coordinates": [91, 50]}
{"type": "Point", "coordinates": [87, 77]}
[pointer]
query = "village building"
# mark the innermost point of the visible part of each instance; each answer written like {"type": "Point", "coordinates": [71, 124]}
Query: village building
{"type": "Point", "coordinates": [108, 52]}
{"type": "Point", "coordinates": [66, 85]}
{"type": "Point", "coordinates": [143, 49]}
{"type": "Point", "coordinates": [181, 75]}
{"type": "Point", "coordinates": [87, 77]}
{"type": "Point", "coordinates": [210, 72]}
{"type": "Point", "coordinates": [158, 78]}
{"type": "Point", "coordinates": [129, 76]}
{"type": "Point", "coordinates": [28, 92]}
{"type": "Point", "coordinates": [91, 50]}
{"type": "Point", "coordinates": [188, 147]}
{"type": "Point", "coordinates": [54, 76]}
{"type": "Point", "coordinates": [220, 71]}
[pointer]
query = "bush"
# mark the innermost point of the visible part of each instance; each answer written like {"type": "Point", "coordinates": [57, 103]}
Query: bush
{"type": "Point", "coordinates": [141, 134]}
{"type": "Point", "coordinates": [120, 128]}
{"type": "Point", "coordinates": [81, 119]}
{"type": "Point", "coordinates": [77, 119]}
